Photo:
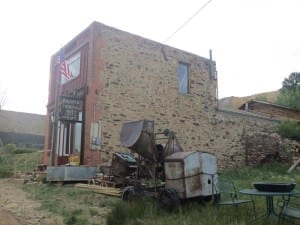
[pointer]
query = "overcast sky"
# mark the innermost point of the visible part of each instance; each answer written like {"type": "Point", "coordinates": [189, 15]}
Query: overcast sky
{"type": "Point", "coordinates": [255, 43]}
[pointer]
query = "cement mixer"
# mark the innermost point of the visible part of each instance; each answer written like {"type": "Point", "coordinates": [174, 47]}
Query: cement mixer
{"type": "Point", "coordinates": [164, 170]}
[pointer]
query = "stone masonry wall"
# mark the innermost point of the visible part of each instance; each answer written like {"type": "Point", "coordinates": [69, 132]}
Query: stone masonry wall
{"type": "Point", "coordinates": [227, 132]}
{"type": "Point", "coordinates": [138, 80]}
{"type": "Point", "coordinates": [265, 147]}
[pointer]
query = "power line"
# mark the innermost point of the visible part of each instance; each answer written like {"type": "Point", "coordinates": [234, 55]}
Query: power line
{"type": "Point", "coordinates": [186, 22]}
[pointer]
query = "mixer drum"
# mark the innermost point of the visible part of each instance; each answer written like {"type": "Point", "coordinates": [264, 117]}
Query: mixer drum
{"type": "Point", "coordinates": [139, 137]}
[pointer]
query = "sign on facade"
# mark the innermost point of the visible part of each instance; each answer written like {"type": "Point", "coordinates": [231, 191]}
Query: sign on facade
{"type": "Point", "coordinates": [70, 108]}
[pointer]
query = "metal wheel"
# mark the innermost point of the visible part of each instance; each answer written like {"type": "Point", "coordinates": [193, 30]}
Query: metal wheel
{"type": "Point", "coordinates": [169, 199]}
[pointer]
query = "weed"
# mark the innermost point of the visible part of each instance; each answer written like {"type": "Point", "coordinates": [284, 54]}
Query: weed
{"type": "Point", "coordinates": [74, 218]}
{"type": "Point", "coordinates": [93, 211]}
{"type": "Point", "coordinates": [12, 163]}
{"type": "Point", "coordinates": [118, 215]}
{"type": "Point", "coordinates": [124, 212]}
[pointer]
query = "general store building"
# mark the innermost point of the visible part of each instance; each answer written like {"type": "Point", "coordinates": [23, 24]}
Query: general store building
{"type": "Point", "coordinates": [120, 77]}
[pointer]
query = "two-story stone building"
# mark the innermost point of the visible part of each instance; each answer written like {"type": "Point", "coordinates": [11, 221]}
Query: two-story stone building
{"type": "Point", "coordinates": [120, 77]}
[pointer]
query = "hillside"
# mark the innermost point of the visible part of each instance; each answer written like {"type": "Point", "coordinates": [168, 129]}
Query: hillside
{"type": "Point", "coordinates": [19, 122]}
{"type": "Point", "coordinates": [235, 102]}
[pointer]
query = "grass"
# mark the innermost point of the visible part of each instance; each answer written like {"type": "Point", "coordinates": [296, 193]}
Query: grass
{"type": "Point", "coordinates": [79, 207]}
{"type": "Point", "coordinates": [76, 206]}
{"type": "Point", "coordinates": [13, 162]}
{"type": "Point", "coordinates": [192, 213]}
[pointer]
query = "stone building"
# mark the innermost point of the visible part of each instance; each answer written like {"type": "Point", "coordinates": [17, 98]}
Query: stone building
{"type": "Point", "coordinates": [25, 130]}
{"type": "Point", "coordinates": [120, 77]}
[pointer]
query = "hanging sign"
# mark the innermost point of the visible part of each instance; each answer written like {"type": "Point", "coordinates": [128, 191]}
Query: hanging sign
{"type": "Point", "coordinates": [70, 108]}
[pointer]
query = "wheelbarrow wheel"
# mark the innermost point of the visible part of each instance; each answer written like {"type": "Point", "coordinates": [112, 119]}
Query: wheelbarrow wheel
{"type": "Point", "coordinates": [131, 193]}
{"type": "Point", "coordinates": [169, 199]}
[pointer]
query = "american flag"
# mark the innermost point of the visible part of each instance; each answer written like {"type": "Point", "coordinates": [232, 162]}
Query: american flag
{"type": "Point", "coordinates": [64, 67]}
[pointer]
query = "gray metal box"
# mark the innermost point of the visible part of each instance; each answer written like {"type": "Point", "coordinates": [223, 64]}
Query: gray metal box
{"type": "Point", "coordinates": [70, 173]}
{"type": "Point", "coordinates": [192, 174]}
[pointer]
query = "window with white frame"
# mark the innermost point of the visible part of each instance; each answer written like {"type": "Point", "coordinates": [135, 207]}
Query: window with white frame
{"type": "Point", "coordinates": [74, 66]}
{"type": "Point", "coordinates": [183, 78]}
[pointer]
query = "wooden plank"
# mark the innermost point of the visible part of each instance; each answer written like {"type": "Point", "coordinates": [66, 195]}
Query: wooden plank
{"type": "Point", "coordinates": [99, 189]}
{"type": "Point", "coordinates": [294, 166]}
{"type": "Point", "coordinates": [108, 193]}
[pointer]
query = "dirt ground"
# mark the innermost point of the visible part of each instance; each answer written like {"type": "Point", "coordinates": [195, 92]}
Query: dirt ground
{"type": "Point", "coordinates": [17, 209]}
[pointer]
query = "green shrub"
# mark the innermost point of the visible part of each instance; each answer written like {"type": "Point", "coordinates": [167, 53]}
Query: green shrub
{"type": "Point", "coordinates": [24, 150]}
{"type": "Point", "coordinates": [5, 173]}
{"type": "Point", "coordinates": [10, 148]}
{"type": "Point", "coordinates": [289, 129]}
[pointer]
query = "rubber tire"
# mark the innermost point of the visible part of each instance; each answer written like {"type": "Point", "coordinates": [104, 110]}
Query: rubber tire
{"type": "Point", "coordinates": [131, 193]}
{"type": "Point", "coordinates": [128, 194]}
{"type": "Point", "coordinates": [169, 199]}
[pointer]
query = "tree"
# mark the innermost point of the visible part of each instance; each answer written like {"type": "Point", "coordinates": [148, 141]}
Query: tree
{"type": "Point", "coordinates": [292, 83]}
{"type": "Point", "coordinates": [289, 95]}
{"type": "Point", "coordinates": [289, 129]}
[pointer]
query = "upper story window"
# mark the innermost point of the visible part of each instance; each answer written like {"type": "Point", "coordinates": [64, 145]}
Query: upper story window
{"type": "Point", "coordinates": [74, 67]}
{"type": "Point", "coordinates": [183, 78]}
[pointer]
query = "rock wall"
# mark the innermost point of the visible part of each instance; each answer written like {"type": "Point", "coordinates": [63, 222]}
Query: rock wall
{"type": "Point", "coordinates": [231, 128]}
{"type": "Point", "coordinates": [262, 147]}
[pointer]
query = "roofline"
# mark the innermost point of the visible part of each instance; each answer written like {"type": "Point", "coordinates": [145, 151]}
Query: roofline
{"type": "Point", "coordinates": [96, 23]}
{"type": "Point", "coordinates": [269, 103]}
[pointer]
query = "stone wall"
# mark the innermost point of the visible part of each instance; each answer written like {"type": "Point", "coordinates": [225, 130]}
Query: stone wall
{"type": "Point", "coordinates": [138, 80]}
{"type": "Point", "coordinates": [230, 129]}
{"type": "Point", "coordinates": [264, 147]}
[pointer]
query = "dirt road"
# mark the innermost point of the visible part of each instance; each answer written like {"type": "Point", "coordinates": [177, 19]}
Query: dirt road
{"type": "Point", "coordinates": [17, 209]}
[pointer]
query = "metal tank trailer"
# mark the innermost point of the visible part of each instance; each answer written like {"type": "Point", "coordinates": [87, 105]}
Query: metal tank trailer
{"type": "Point", "coordinates": [162, 168]}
